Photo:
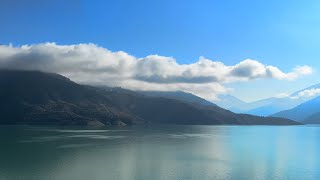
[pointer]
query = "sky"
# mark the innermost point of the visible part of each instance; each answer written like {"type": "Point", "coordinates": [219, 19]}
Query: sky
{"type": "Point", "coordinates": [207, 47]}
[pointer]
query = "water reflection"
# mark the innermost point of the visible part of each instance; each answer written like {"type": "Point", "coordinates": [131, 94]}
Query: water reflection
{"type": "Point", "coordinates": [174, 152]}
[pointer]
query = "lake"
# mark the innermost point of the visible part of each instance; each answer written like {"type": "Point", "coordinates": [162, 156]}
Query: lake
{"type": "Point", "coordinates": [164, 152]}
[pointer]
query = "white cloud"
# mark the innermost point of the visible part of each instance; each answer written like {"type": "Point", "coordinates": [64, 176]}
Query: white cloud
{"type": "Point", "coordinates": [282, 95]}
{"type": "Point", "coordinates": [307, 93]}
{"type": "Point", "coordinates": [91, 64]}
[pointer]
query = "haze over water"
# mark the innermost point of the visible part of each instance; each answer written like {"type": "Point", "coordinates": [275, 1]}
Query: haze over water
{"type": "Point", "coordinates": [166, 152]}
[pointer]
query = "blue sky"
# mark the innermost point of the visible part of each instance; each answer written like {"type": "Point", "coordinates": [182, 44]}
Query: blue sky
{"type": "Point", "coordinates": [282, 34]}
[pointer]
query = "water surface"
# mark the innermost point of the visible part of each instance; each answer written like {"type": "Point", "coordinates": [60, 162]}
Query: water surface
{"type": "Point", "coordinates": [166, 152]}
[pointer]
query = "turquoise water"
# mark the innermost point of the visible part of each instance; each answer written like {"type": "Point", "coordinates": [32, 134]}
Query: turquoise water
{"type": "Point", "coordinates": [166, 152]}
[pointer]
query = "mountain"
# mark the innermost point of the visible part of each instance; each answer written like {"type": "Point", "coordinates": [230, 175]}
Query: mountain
{"type": "Point", "coordinates": [306, 111]}
{"type": "Point", "coordinates": [231, 103]}
{"type": "Point", "coordinates": [264, 110]}
{"type": "Point", "coordinates": [270, 106]}
{"type": "Point", "coordinates": [265, 107]}
{"type": "Point", "coordinates": [178, 95]}
{"type": "Point", "coordinates": [280, 104]}
{"type": "Point", "coordinates": [262, 107]}
{"type": "Point", "coordinates": [31, 97]}
{"type": "Point", "coordinates": [313, 119]}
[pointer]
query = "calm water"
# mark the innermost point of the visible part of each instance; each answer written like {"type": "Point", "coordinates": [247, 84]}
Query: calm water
{"type": "Point", "coordinates": [152, 153]}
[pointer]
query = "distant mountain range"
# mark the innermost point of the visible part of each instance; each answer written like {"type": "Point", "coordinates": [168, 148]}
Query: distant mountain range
{"type": "Point", "coordinates": [264, 107]}
{"type": "Point", "coordinates": [37, 98]}
{"type": "Point", "coordinates": [231, 103]}
{"type": "Point", "coordinates": [307, 112]}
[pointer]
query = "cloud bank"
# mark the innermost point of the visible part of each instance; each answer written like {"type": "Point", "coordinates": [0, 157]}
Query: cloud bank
{"type": "Point", "coordinates": [91, 64]}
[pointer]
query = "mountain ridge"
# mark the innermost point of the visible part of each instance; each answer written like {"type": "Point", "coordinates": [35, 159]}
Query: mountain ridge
{"type": "Point", "coordinates": [268, 106]}
{"type": "Point", "coordinates": [302, 112]}
{"type": "Point", "coordinates": [38, 98]}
